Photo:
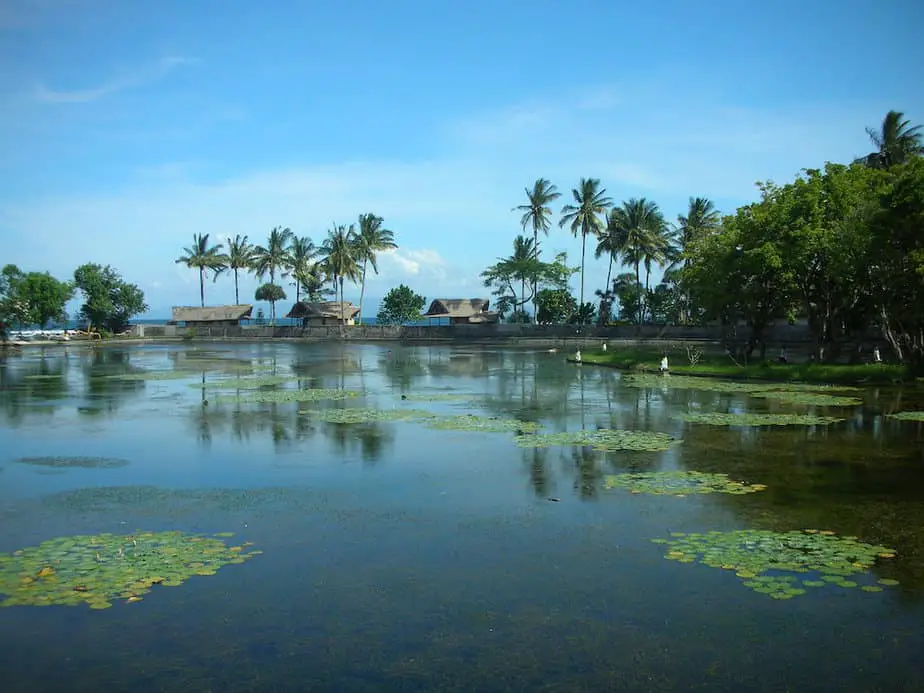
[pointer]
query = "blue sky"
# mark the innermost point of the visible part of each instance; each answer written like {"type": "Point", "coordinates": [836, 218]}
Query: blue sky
{"type": "Point", "coordinates": [125, 127]}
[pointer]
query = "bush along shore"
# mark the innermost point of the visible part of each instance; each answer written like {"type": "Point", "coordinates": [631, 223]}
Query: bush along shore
{"type": "Point", "coordinates": [714, 366]}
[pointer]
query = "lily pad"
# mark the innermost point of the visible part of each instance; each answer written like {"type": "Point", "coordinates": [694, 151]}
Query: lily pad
{"type": "Point", "coordinates": [775, 561]}
{"type": "Point", "coordinates": [907, 416]}
{"type": "Point", "coordinates": [679, 483]}
{"type": "Point", "coordinates": [811, 398]}
{"type": "Point", "coordinates": [751, 419]}
{"type": "Point", "coordinates": [77, 461]}
{"type": "Point", "coordinates": [688, 382]}
{"type": "Point", "coordinates": [356, 416]}
{"type": "Point", "coordinates": [97, 569]}
{"type": "Point", "coordinates": [246, 383]}
{"type": "Point", "coordinates": [437, 397]}
{"type": "Point", "coordinates": [285, 396]}
{"type": "Point", "coordinates": [486, 424]}
{"type": "Point", "coordinates": [153, 375]}
{"type": "Point", "coordinates": [605, 439]}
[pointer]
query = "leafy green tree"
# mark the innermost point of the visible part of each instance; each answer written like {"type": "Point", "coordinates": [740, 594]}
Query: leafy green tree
{"type": "Point", "coordinates": [639, 233]}
{"type": "Point", "coordinates": [555, 306]}
{"type": "Point", "coordinates": [399, 306]}
{"type": "Point", "coordinates": [370, 240]}
{"type": "Point", "coordinates": [537, 215]}
{"type": "Point", "coordinates": [313, 281]}
{"type": "Point", "coordinates": [587, 216]}
{"type": "Point", "coordinates": [629, 292]}
{"type": "Point", "coordinates": [109, 301]}
{"type": "Point", "coordinates": [201, 256]}
{"type": "Point", "coordinates": [301, 253]}
{"type": "Point", "coordinates": [12, 308]}
{"type": "Point", "coordinates": [340, 259]}
{"type": "Point", "coordinates": [44, 297]}
{"type": "Point", "coordinates": [274, 256]}
{"type": "Point", "coordinates": [896, 142]}
{"type": "Point", "coordinates": [272, 293]}
{"type": "Point", "coordinates": [239, 257]}
{"type": "Point", "coordinates": [701, 219]}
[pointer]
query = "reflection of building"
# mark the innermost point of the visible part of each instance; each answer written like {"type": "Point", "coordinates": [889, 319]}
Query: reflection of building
{"type": "Point", "coordinates": [324, 313]}
{"type": "Point", "coordinates": [213, 316]}
{"type": "Point", "coordinates": [462, 311]}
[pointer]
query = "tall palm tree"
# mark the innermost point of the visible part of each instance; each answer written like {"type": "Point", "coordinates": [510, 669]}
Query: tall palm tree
{"type": "Point", "coordinates": [340, 260]}
{"type": "Point", "coordinates": [239, 257]}
{"type": "Point", "coordinates": [313, 281]}
{"type": "Point", "coordinates": [301, 253]}
{"type": "Point", "coordinates": [537, 215]}
{"type": "Point", "coordinates": [371, 240]}
{"type": "Point", "coordinates": [201, 256]}
{"type": "Point", "coordinates": [896, 141]}
{"type": "Point", "coordinates": [639, 226]}
{"type": "Point", "coordinates": [274, 256]}
{"type": "Point", "coordinates": [609, 243]}
{"type": "Point", "coordinates": [585, 217]}
{"type": "Point", "coordinates": [701, 219]}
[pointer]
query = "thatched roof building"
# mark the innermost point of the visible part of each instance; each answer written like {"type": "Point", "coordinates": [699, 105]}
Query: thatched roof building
{"type": "Point", "coordinates": [211, 316]}
{"type": "Point", "coordinates": [462, 310]}
{"type": "Point", "coordinates": [324, 312]}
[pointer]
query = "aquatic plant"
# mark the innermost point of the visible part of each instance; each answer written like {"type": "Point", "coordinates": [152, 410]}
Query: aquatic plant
{"type": "Point", "coordinates": [689, 382]}
{"type": "Point", "coordinates": [437, 397]}
{"type": "Point", "coordinates": [907, 416]}
{"type": "Point", "coordinates": [356, 416]}
{"type": "Point", "coordinates": [750, 419]}
{"type": "Point", "coordinates": [245, 383]}
{"type": "Point", "coordinates": [284, 396]}
{"type": "Point", "coordinates": [753, 553]}
{"type": "Point", "coordinates": [64, 461]}
{"type": "Point", "coordinates": [152, 375]}
{"type": "Point", "coordinates": [810, 398]}
{"type": "Point", "coordinates": [98, 569]}
{"type": "Point", "coordinates": [679, 483]}
{"type": "Point", "coordinates": [471, 422]}
{"type": "Point", "coordinates": [603, 439]}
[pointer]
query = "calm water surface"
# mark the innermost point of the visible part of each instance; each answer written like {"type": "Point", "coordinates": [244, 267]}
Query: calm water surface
{"type": "Point", "coordinates": [398, 557]}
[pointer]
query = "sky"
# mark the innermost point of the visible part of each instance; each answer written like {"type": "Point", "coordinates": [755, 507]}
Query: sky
{"type": "Point", "coordinates": [128, 126]}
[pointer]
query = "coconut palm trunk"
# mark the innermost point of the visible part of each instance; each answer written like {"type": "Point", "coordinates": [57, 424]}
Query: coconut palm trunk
{"type": "Point", "coordinates": [202, 286]}
{"type": "Point", "coordinates": [362, 293]}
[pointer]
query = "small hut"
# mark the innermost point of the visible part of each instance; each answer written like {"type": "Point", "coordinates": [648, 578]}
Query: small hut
{"type": "Point", "coordinates": [318, 313]}
{"type": "Point", "coordinates": [212, 316]}
{"type": "Point", "coordinates": [462, 311]}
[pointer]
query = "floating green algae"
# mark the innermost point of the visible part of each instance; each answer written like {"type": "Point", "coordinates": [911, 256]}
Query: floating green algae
{"type": "Point", "coordinates": [68, 462]}
{"type": "Point", "coordinates": [753, 553]}
{"type": "Point", "coordinates": [602, 439]}
{"type": "Point", "coordinates": [689, 382]}
{"type": "Point", "coordinates": [437, 397]}
{"type": "Point", "coordinates": [356, 416]}
{"type": "Point", "coordinates": [284, 396]}
{"type": "Point", "coordinates": [471, 422]}
{"type": "Point", "coordinates": [749, 419]}
{"type": "Point", "coordinates": [679, 483]}
{"type": "Point", "coordinates": [98, 569]}
{"type": "Point", "coordinates": [246, 383]}
{"type": "Point", "coordinates": [907, 416]}
{"type": "Point", "coordinates": [811, 398]}
{"type": "Point", "coordinates": [152, 375]}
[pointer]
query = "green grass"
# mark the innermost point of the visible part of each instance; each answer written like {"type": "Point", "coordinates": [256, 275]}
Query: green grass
{"type": "Point", "coordinates": [722, 367]}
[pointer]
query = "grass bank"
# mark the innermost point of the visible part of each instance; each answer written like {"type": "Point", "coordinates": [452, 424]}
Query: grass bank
{"type": "Point", "coordinates": [723, 367]}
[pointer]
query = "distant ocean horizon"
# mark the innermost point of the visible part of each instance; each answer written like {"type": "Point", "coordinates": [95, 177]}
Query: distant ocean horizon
{"type": "Point", "coordinates": [280, 322]}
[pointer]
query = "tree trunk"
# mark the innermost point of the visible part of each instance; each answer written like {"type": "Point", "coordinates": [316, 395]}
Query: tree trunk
{"type": "Point", "coordinates": [362, 293]}
{"type": "Point", "coordinates": [638, 284]}
{"type": "Point", "coordinates": [202, 286]}
{"type": "Point", "coordinates": [237, 298]}
{"type": "Point", "coordinates": [342, 315]}
{"type": "Point", "coordinates": [535, 279]}
{"type": "Point", "coordinates": [583, 248]}
{"type": "Point", "coordinates": [273, 312]}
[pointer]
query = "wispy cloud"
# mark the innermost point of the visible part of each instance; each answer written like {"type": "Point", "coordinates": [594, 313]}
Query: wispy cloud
{"type": "Point", "coordinates": [127, 80]}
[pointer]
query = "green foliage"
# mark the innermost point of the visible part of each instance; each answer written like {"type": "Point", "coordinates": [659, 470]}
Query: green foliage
{"type": "Point", "coordinates": [109, 302]}
{"type": "Point", "coordinates": [286, 396]}
{"type": "Point", "coordinates": [811, 399]}
{"type": "Point", "coordinates": [555, 306]}
{"type": "Point", "coordinates": [751, 553]}
{"type": "Point", "coordinates": [679, 483]}
{"type": "Point", "coordinates": [485, 424]}
{"type": "Point", "coordinates": [908, 416]}
{"type": "Point", "coordinates": [100, 569]}
{"type": "Point", "coordinates": [601, 439]}
{"type": "Point", "coordinates": [202, 256]}
{"type": "Point", "coordinates": [32, 298]}
{"type": "Point", "coordinates": [269, 292]}
{"type": "Point", "coordinates": [726, 419]}
{"type": "Point", "coordinates": [400, 305]}
{"type": "Point", "coordinates": [370, 240]}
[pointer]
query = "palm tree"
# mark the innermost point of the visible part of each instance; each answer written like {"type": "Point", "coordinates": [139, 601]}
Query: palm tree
{"type": "Point", "coordinates": [701, 219]}
{"type": "Point", "coordinates": [640, 228]}
{"type": "Point", "coordinates": [340, 259]}
{"type": "Point", "coordinates": [896, 141]}
{"type": "Point", "coordinates": [201, 256]}
{"type": "Point", "coordinates": [609, 244]}
{"type": "Point", "coordinates": [275, 255]}
{"type": "Point", "coordinates": [239, 257]}
{"type": "Point", "coordinates": [301, 253]}
{"type": "Point", "coordinates": [369, 241]}
{"type": "Point", "coordinates": [537, 215]}
{"type": "Point", "coordinates": [586, 216]}
{"type": "Point", "coordinates": [313, 280]}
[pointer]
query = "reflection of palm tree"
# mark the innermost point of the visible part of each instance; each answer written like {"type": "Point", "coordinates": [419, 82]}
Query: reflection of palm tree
{"type": "Point", "coordinates": [539, 477]}
{"type": "Point", "coordinates": [589, 476]}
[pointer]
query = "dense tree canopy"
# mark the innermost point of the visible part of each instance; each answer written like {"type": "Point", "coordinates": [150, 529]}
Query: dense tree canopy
{"type": "Point", "coordinates": [400, 305]}
{"type": "Point", "coordinates": [109, 302]}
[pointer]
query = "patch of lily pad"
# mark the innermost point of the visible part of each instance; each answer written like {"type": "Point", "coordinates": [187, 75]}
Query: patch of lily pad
{"type": "Point", "coordinates": [100, 569]}
{"type": "Point", "coordinates": [436, 397]}
{"type": "Point", "coordinates": [246, 383]}
{"type": "Point", "coordinates": [357, 416]}
{"type": "Point", "coordinates": [602, 439]}
{"type": "Point", "coordinates": [486, 424]}
{"type": "Point", "coordinates": [63, 461]}
{"type": "Point", "coordinates": [152, 375]}
{"type": "Point", "coordinates": [907, 416]}
{"type": "Point", "coordinates": [286, 396]}
{"type": "Point", "coordinates": [755, 419]}
{"type": "Point", "coordinates": [811, 398]}
{"type": "Point", "coordinates": [689, 382]}
{"type": "Point", "coordinates": [781, 564]}
{"type": "Point", "coordinates": [679, 483]}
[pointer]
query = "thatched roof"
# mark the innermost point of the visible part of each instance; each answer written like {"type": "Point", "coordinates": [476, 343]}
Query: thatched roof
{"type": "Point", "coordinates": [323, 309]}
{"type": "Point", "coordinates": [457, 307]}
{"type": "Point", "coordinates": [211, 313]}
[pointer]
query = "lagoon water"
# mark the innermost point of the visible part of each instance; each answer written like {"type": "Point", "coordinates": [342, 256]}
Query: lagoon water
{"type": "Point", "coordinates": [400, 557]}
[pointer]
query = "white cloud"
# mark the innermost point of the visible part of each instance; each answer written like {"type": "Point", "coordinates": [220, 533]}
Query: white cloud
{"type": "Point", "coordinates": [127, 79]}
